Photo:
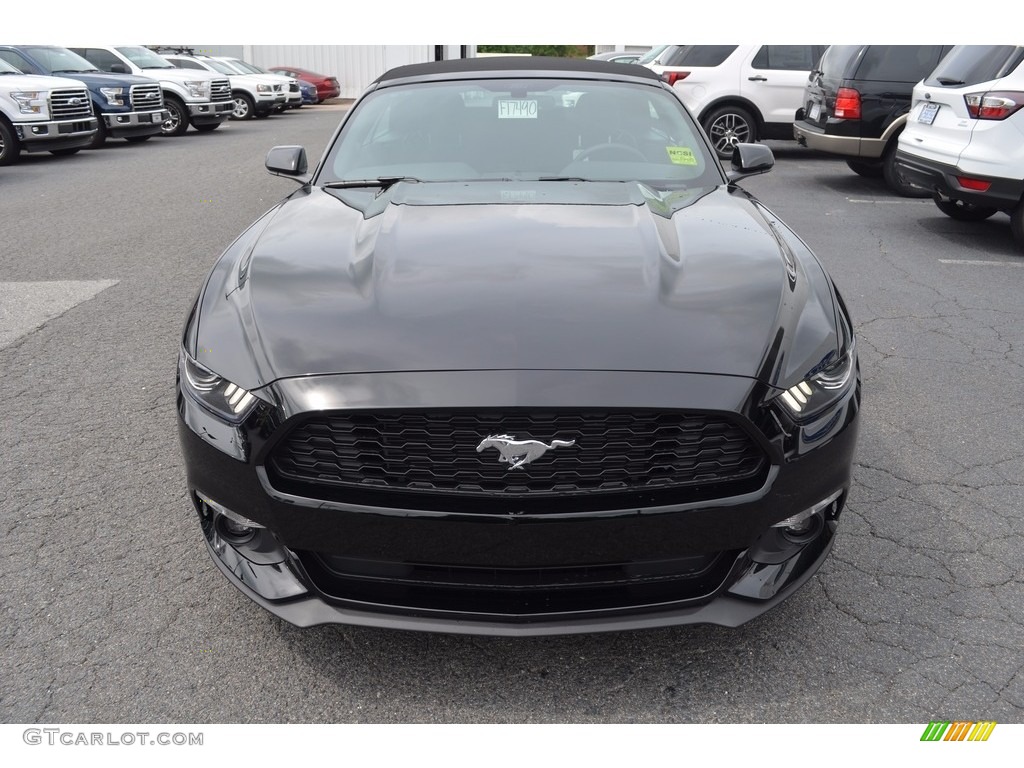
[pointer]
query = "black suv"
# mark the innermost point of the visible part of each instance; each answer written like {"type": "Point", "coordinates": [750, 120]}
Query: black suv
{"type": "Point", "coordinates": [856, 104]}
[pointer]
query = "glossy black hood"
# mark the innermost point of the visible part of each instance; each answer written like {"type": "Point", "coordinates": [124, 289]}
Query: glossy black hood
{"type": "Point", "coordinates": [588, 276]}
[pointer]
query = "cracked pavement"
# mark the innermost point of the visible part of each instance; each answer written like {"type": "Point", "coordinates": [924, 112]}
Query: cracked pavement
{"type": "Point", "coordinates": [112, 611]}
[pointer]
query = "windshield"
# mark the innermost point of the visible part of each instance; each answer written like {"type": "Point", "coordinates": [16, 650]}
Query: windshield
{"type": "Point", "coordinates": [233, 65]}
{"type": "Point", "coordinates": [144, 58]}
{"type": "Point", "coordinates": [60, 60]}
{"type": "Point", "coordinates": [8, 69]}
{"type": "Point", "coordinates": [529, 129]}
{"type": "Point", "coordinates": [652, 55]}
{"type": "Point", "coordinates": [247, 68]}
{"type": "Point", "coordinates": [220, 66]}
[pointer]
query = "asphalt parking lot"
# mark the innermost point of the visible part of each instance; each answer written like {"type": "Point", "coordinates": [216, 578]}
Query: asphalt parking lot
{"type": "Point", "coordinates": [113, 612]}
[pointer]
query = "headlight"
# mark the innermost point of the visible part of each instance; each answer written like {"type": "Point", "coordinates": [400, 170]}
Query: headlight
{"type": "Point", "coordinates": [264, 89]}
{"type": "Point", "coordinates": [198, 89]}
{"type": "Point", "coordinates": [114, 96]}
{"type": "Point", "coordinates": [31, 102]}
{"type": "Point", "coordinates": [819, 390]}
{"type": "Point", "coordinates": [227, 400]}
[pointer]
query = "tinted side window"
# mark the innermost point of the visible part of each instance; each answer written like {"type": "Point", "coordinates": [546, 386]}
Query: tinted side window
{"type": "Point", "coordinates": [970, 64]}
{"type": "Point", "coordinates": [19, 61]}
{"type": "Point", "coordinates": [898, 63]}
{"type": "Point", "coordinates": [794, 57]}
{"type": "Point", "coordinates": [699, 55]}
{"type": "Point", "coordinates": [838, 59]}
{"type": "Point", "coordinates": [102, 60]}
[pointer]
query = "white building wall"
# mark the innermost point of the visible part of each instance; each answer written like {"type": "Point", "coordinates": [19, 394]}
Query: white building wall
{"type": "Point", "coordinates": [355, 66]}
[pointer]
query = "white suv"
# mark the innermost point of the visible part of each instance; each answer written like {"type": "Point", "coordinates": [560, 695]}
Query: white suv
{"type": "Point", "coordinates": [254, 95]}
{"type": "Point", "coordinates": [964, 138]}
{"type": "Point", "coordinates": [740, 93]}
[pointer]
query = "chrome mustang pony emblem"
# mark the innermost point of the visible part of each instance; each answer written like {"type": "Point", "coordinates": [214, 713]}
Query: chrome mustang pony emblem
{"type": "Point", "coordinates": [519, 452]}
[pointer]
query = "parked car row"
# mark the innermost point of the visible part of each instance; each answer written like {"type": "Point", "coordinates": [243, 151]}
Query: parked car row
{"type": "Point", "coordinates": [936, 121]}
{"type": "Point", "coordinates": [61, 100]}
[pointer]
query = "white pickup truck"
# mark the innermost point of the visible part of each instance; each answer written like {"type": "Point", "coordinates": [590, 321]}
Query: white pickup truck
{"type": "Point", "coordinates": [192, 97]}
{"type": "Point", "coordinates": [42, 114]}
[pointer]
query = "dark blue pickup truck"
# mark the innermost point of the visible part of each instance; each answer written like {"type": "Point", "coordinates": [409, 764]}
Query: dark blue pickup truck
{"type": "Point", "coordinates": [128, 106]}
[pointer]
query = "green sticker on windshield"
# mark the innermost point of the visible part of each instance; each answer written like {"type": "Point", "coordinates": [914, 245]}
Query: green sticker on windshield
{"type": "Point", "coordinates": [681, 155]}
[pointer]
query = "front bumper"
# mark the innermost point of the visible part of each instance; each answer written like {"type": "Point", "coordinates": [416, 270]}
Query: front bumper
{"type": "Point", "coordinates": [942, 179]}
{"type": "Point", "coordinates": [144, 123]}
{"type": "Point", "coordinates": [210, 111]}
{"type": "Point", "coordinates": [56, 134]}
{"type": "Point", "coordinates": [543, 572]}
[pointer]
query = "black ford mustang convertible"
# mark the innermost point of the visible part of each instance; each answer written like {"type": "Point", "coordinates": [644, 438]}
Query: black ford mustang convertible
{"type": "Point", "coordinates": [518, 357]}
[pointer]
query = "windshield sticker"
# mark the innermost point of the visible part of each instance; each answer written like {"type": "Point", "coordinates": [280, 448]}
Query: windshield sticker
{"type": "Point", "coordinates": [517, 109]}
{"type": "Point", "coordinates": [681, 155]}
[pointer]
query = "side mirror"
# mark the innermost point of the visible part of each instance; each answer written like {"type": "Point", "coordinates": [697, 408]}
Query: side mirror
{"type": "Point", "coordinates": [287, 161]}
{"type": "Point", "coordinates": [748, 159]}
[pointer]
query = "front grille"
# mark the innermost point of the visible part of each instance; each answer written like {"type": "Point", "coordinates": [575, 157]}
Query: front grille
{"type": "Point", "coordinates": [220, 90]}
{"type": "Point", "coordinates": [523, 592]}
{"type": "Point", "coordinates": [278, 88]}
{"type": "Point", "coordinates": [293, 87]}
{"type": "Point", "coordinates": [147, 97]}
{"type": "Point", "coordinates": [69, 103]}
{"type": "Point", "coordinates": [435, 452]}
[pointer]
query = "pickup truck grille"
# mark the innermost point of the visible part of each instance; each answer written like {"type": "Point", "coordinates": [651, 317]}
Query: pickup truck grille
{"type": "Point", "coordinates": [70, 103]}
{"type": "Point", "coordinates": [147, 97]}
{"type": "Point", "coordinates": [220, 90]}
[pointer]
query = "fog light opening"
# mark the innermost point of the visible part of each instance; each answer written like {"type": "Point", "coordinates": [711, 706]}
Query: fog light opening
{"type": "Point", "coordinates": [805, 530]}
{"type": "Point", "coordinates": [235, 533]}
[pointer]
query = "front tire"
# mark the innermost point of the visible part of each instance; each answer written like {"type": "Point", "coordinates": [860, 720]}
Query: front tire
{"type": "Point", "coordinates": [894, 179]}
{"type": "Point", "coordinates": [177, 123]}
{"type": "Point", "coordinates": [727, 127]}
{"type": "Point", "coordinates": [1017, 225]}
{"type": "Point", "coordinates": [245, 108]}
{"type": "Point", "coordinates": [101, 134]}
{"type": "Point", "coordinates": [961, 211]}
{"type": "Point", "coordinates": [865, 168]}
{"type": "Point", "coordinates": [10, 146]}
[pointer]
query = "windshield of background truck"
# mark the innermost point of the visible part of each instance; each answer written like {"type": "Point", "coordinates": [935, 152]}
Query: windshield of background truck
{"type": "Point", "coordinates": [144, 58]}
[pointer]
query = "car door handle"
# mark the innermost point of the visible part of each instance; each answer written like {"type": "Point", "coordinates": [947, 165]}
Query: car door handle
{"type": "Point", "coordinates": [757, 78]}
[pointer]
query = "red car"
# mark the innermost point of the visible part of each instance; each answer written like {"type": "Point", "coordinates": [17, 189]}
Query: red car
{"type": "Point", "coordinates": [326, 87]}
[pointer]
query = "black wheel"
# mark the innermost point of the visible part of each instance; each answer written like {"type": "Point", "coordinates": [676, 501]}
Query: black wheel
{"type": "Point", "coordinates": [727, 127]}
{"type": "Point", "coordinates": [866, 168]}
{"type": "Point", "coordinates": [894, 178]}
{"type": "Point", "coordinates": [63, 152]}
{"type": "Point", "coordinates": [1017, 224]}
{"type": "Point", "coordinates": [245, 109]}
{"type": "Point", "coordinates": [136, 139]}
{"type": "Point", "coordinates": [100, 136]}
{"type": "Point", "coordinates": [10, 147]}
{"type": "Point", "coordinates": [177, 123]}
{"type": "Point", "coordinates": [961, 211]}
{"type": "Point", "coordinates": [207, 127]}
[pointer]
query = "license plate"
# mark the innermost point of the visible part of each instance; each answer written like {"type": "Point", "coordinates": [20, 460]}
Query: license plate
{"type": "Point", "coordinates": [815, 112]}
{"type": "Point", "coordinates": [928, 112]}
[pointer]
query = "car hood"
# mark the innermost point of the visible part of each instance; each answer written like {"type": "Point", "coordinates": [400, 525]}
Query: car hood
{"type": "Point", "coordinates": [590, 276]}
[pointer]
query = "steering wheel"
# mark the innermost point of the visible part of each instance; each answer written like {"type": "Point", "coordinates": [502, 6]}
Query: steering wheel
{"type": "Point", "coordinates": [612, 148]}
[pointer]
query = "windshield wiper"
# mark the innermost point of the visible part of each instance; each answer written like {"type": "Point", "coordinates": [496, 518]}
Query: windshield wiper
{"type": "Point", "coordinates": [383, 182]}
{"type": "Point", "coordinates": [562, 178]}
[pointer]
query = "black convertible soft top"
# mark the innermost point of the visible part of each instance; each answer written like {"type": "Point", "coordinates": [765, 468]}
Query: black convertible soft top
{"type": "Point", "coordinates": [517, 64]}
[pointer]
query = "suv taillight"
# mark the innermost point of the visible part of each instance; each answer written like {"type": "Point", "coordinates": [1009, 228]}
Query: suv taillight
{"type": "Point", "coordinates": [993, 105]}
{"type": "Point", "coordinates": [672, 77]}
{"type": "Point", "coordinates": [847, 104]}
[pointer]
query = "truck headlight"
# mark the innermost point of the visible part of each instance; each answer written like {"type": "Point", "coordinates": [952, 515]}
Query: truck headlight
{"type": "Point", "coordinates": [114, 96]}
{"type": "Point", "coordinates": [198, 89]}
{"type": "Point", "coordinates": [31, 102]}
